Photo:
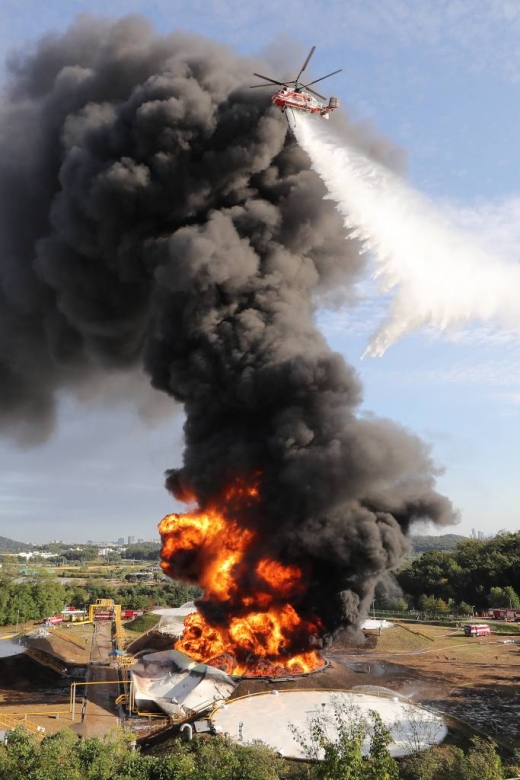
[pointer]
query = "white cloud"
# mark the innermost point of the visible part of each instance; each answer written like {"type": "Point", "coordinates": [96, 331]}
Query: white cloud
{"type": "Point", "coordinates": [484, 35]}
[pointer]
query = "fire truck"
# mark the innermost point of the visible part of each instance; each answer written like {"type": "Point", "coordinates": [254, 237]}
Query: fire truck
{"type": "Point", "coordinates": [503, 613]}
{"type": "Point", "coordinates": [131, 613]}
{"type": "Point", "coordinates": [54, 620]}
{"type": "Point", "coordinates": [477, 629]}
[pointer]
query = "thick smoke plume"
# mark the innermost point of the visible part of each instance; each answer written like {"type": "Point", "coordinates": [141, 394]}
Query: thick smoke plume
{"type": "Point", "coordinates": [439, 273]}
{"type": "Point", "coordinates": [154, 209]}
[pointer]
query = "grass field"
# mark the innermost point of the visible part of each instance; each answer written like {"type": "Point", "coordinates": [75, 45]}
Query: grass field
{"type": "Point", "coordinates": [400, 640]}
{"type": "Point", "coordinates": [504, 628]}
{"type": "Point", "coordinates": [142, 624]}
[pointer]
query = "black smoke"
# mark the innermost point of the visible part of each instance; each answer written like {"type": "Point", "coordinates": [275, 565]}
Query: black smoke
{"type": "Point", "coordinates": [155, 210]}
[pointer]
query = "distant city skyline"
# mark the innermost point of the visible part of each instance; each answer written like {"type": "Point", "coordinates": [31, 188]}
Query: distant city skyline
{"type": "Point", "coordinates": [474, 534]}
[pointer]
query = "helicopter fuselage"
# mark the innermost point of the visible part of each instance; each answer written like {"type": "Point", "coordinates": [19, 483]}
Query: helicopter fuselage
{"type": "Point", "coordinates": [303, 101]}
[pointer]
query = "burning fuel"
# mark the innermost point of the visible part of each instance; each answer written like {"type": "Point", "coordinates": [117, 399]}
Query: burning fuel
{"type": "Point", "coordinates": [248, 621]}
{"type": "Point", "coordinates": [156, 211]}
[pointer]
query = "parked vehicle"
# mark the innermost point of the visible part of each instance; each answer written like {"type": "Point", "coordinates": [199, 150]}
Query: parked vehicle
{"type": "Point", "coordinates": [55, 620]}
{"type": "Point", "coordinates": [504, 613]}
{"type": "Point", "coordinates": [129, 614]}
{"type": "Point", "coordinates": [477, 629]}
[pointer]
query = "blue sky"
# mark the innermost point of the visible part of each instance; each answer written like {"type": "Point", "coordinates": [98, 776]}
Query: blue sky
{"type": "Point", "coordinates": [441, 78]}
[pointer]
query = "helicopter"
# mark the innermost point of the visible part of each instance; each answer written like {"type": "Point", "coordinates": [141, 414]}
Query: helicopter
{"type": "Point", "coordinates": [294, 95]}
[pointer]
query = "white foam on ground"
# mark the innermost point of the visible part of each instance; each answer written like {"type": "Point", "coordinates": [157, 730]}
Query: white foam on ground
{"type": "Point", "coordinates": [269, 718]}
{"type": "Point", "coordinates": [372, 624]}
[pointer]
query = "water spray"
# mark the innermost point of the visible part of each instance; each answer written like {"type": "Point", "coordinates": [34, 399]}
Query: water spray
{"type": "Point", "coordinates": [439, 274]}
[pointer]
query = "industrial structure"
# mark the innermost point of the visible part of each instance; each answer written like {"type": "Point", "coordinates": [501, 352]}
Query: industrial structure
{"type": "Point", "coordinates": [167, 688]}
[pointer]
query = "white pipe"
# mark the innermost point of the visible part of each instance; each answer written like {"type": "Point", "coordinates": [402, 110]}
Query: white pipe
{"type": "Point", "coordinates": [189, 731]}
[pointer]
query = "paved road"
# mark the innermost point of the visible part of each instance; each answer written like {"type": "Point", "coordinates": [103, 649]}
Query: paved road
{"type": "Point", "coordinates": [98, 715]}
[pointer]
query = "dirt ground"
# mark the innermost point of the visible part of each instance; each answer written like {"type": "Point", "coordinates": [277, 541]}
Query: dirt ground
{"type": "Point", "coordinates": [41, 696]}
{"type": "Point", "coordinates": [35, 693]}
{"type": "Point", "coordinates": [475, 680]}
{"type": "Point", "coordinates": [71, 645]}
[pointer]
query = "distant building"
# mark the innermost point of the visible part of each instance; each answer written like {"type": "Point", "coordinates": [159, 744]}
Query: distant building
{"type": "Point", "coordinates": [121, 540]}
{"type": "Point", "coordinates": [131, 540]}
{"type": "Point", "coordinates": [105, 551]}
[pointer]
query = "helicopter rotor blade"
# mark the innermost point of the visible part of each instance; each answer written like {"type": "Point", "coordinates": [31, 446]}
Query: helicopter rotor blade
{"type": "Point", "coordinates": [305, 63]}
{"type": "Point", "coordinates": [273, 81]}
{"type": "Point", "coordinates": [313, 92]}
{"type": "Point", "coordinates": [323, 77]}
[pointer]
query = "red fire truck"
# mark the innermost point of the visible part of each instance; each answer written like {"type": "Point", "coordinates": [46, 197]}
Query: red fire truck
{"type": "Point", "coordinates": [131, 613]}
{"type": "Point", "coordinates": [54, 620]}
{"type": "Point", "coordinates": [504, 613]}
{"type": "Point", "coordinates": [477, 629]}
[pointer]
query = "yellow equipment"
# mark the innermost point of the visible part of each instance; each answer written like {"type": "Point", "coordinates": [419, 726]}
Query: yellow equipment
{"type": "Point", "coordinates": [104, 609]}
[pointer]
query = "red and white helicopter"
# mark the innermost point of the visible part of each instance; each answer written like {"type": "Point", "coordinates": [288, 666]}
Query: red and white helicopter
{"type": "Point", "coordinates": [295, 95]}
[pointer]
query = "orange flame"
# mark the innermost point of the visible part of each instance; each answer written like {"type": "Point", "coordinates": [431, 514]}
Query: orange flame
{"type": "Point", "coordinates": [249, 623]}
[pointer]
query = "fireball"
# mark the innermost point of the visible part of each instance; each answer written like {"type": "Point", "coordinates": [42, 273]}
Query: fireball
{"type": "Point", "coordinates": [248, 620]}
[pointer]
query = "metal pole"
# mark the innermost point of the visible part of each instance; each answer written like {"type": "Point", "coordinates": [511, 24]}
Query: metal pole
{"type": "Point", "coordinates": [73, 701]}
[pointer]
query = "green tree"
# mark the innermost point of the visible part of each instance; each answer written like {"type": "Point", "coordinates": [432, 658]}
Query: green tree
{"type": "Point", "coordinates": [258, 762]}
{"type": "Point", "coordinates": [57, 758]}
{"type": "Point", "coordinates": [468, 573]}
{"type": "Point", "coordinates": [433, 606]}
{"type": "Point", "coordinates": [379, 764]}
{"type": "Point", "coordinates": [30, 600]}
{"type": "Point", "coordinates": [336, 741]}
{"type": "Point", "coordinates": [503, 597]}
{"type": "Point", "coordinates": [48, 595]}
{"type": "Point", "coordinates": [481, 762]}
{"type": "Point", "coordinates": [76, 596]}
{"type": "Point", "coordinates": [434, 573]}
{"type": "Point", "coordinates": [143, 551]}
{"type": "Point", "coordinates": [87, 553]}
{"type": "Point", "coordinates": [111, 758]}
{"type": "Point", "coordinates": [19, 756]}
{"type": "Point", "coordinates": [20, 606]}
